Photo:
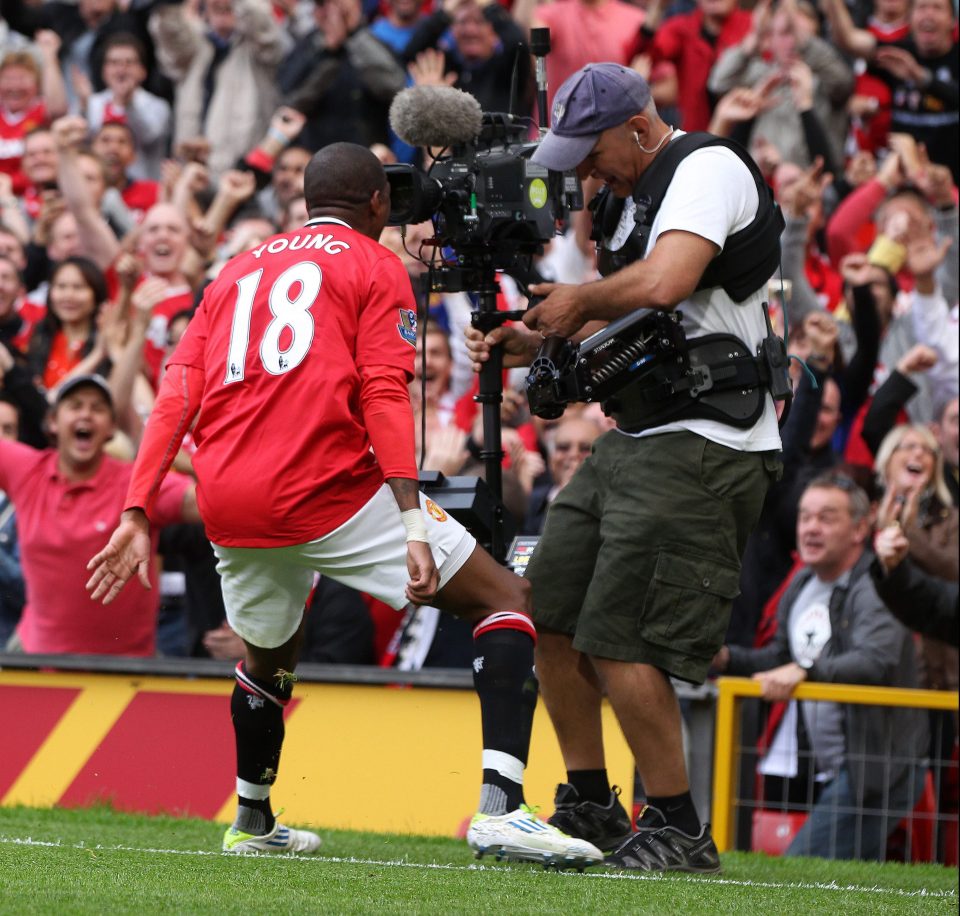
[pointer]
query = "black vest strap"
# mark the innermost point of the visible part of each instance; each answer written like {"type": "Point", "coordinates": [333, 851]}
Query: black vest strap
{"type": "Point", "coordinates": [749, 257]}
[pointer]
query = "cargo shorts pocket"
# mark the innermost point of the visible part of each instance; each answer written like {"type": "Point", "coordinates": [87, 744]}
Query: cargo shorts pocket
{"type": "Point", "coordinates": [687, 605]}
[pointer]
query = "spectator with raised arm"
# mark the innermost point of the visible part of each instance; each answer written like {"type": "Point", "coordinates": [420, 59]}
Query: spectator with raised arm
{"type": "Point", "coordinates": [815, 284]}
{"type": "Point", "coordinates": [910, 467]}
{"type": "Point", "coordinates": [202, 258]}
{"type": "Point", "coordinates": [888, 404]}
{"type": "Point", "coordinates": [341, 77]}
{"type": "Point", "coordinates": [396, 25]}
{"type": "Point", "coordinates": [82, 181]}
{"type": "Point", "coordinates": [481, 45]}
{"type": "Point", "coordinates": [277, 165]}
{"type": "Point", "coordinates": [924, 603]}
{"type": "Point", "coordinates": [808, 451]}
{"type": "Point", "coordinates": [692, 42]}
{"type": "Point", "coordinates": [31, 95]}
{"type": "Point", "coordinates": [807, 118]}
{"type": "Point", "coordinates": [163, 246]}
{"type": "Point", "coordinates": [224, 63]}
{"type": "Point", "coordinates": [921, 72]}
{"type": "Point", "coordinates": [934, 320]}
{"type": "Point", "coordinates": [39, 167]}
{"type": "Point", "coordinates": [83, 28]}
{"type": "Point", "coordinates": [125, 101]}
{"type": "Point", "coordinates": [115, 145]}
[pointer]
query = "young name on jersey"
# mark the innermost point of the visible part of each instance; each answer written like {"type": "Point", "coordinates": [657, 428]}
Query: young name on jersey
{"type": "Point", "coordinates": [325, 243]}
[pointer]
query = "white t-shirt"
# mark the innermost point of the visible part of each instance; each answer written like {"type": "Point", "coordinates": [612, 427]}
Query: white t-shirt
{"type": "Point", "coordinates": [809, 630]}
{"type": "Point", "coordinates": [713, 195]}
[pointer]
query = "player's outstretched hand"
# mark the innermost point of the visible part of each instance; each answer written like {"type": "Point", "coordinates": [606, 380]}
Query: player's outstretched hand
{"type": "Point", "coordinates": [424, 575]}
{"type": "Point", "coordinates": [128, 552]}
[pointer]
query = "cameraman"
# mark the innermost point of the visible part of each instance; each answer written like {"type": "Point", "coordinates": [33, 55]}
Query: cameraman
{"type": "Point", "coordinates": [640, 556]}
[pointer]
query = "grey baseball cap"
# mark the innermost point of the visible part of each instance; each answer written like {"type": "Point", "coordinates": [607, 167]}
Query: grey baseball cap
{"type": "Point", "coordinates": [86, 381]}
{"type": "Point", "coordinates": [595, 98]}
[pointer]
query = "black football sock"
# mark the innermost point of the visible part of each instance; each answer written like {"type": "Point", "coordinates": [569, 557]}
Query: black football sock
{"type": "Point", "coordinates": [591, 785]}
{"type": "Point", "coordinates": [678, 811]}
{"type": "Point", "coordinates": [507, 687]}
{"type": "Point", "coordinates": [256, 708]}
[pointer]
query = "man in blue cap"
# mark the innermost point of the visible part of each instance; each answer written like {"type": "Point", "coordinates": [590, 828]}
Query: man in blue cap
{"type": "Point", "coordinates": [639, 561]}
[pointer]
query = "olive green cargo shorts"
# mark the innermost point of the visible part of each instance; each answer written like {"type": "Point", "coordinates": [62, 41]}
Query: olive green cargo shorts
{"type": "Point", "coordinates": [640, 556]}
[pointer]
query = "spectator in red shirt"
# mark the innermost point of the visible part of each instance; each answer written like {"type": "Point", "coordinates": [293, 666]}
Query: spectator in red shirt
{"type": "Point", "coordinates": [15, 326]}
{"type": "Point", "coordinates": [66, 499]}
{"type": "Point", "coordinates": [114, 143]}
{"type": "Point", "coordinates": [162, 246]}
{"type": "Point", "coordinates": [39, 167]}
{"type": "Point", "coordinates": [30, 95]}
{"type": "Point", "coordinates": [692, 42]}
{"type": "Point", "coordinates": [581, 32]}
{"type": "Point", "coordinates": [66, 342]}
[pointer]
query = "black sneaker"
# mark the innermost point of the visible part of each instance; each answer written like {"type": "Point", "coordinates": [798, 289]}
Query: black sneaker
{"type": "Point", "coordinates": [656, 846]}
{"type": "Point", "coordinates": [606, 826]}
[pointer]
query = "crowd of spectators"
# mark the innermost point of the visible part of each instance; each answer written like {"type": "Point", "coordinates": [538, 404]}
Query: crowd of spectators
{"type": "Point", "coordinates": [143, 142]}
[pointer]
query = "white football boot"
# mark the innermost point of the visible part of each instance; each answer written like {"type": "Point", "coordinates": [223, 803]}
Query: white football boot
{"type": "Point", "coordinates": [520, 836]}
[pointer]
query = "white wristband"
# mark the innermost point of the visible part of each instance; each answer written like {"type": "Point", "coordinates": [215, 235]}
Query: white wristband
{"type": "Point", "coordinates": [416, 528]}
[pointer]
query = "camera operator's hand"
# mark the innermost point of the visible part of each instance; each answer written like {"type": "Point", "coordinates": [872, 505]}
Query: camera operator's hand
{"type": "Point", "coordinates": [519, 345]}
{"type": "Point", "coordinates": [558, 314]}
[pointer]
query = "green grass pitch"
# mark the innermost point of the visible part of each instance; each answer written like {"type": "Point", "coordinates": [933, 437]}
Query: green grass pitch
{"type": "Point", "coordinates": [100, 861]}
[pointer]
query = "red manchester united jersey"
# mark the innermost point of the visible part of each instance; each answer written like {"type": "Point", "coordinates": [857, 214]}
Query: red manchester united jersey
{"type": "Point", "coordinates": [13, 129]}
{"type": "Point", "coordinates": [282, 336]}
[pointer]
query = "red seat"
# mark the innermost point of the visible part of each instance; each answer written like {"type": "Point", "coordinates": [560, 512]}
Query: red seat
{"type": "Point", "coordinates": [773, 831]}
{"type": "Point", "coordinates": [918, 826]}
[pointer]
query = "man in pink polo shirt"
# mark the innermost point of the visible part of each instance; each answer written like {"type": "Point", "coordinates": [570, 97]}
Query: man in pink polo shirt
{"type": "Point", "coordinates": [67, 499]}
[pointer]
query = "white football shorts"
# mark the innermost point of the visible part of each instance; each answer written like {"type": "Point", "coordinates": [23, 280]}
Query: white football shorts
{"type": "Point", "coordinates": [265, 588]}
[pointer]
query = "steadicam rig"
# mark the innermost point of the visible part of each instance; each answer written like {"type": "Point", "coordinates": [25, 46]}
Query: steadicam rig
{"type": "Point", "coordinates": [605, 362]}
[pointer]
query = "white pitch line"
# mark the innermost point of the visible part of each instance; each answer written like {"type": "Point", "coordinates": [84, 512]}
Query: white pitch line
{"type": "Point", "coordinates": [438, 866]}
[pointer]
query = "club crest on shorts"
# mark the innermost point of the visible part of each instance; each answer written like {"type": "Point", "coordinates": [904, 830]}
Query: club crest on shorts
{"type": "Point", "coordinates": [408, 326]}
{"type": "Point", "coordinates": [435, 511]}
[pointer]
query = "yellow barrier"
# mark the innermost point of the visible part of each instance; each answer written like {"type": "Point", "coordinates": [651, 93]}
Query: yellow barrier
{"type": "Point", "coordinates": [355, 757]}
{"type": "Point", "coordinates": [731, 690]}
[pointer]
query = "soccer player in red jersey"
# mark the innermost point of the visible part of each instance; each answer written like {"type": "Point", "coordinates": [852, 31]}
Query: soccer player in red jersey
{"type": "Point", "coordinates": [295, 366]}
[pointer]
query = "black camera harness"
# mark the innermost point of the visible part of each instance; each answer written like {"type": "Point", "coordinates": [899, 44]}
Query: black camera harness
{"type": "Point", "coordinates": [642, 367]}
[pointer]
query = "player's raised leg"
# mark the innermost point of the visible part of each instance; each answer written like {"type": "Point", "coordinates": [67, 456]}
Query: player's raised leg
{"type": "Point", "coordinates": [498, 602]}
